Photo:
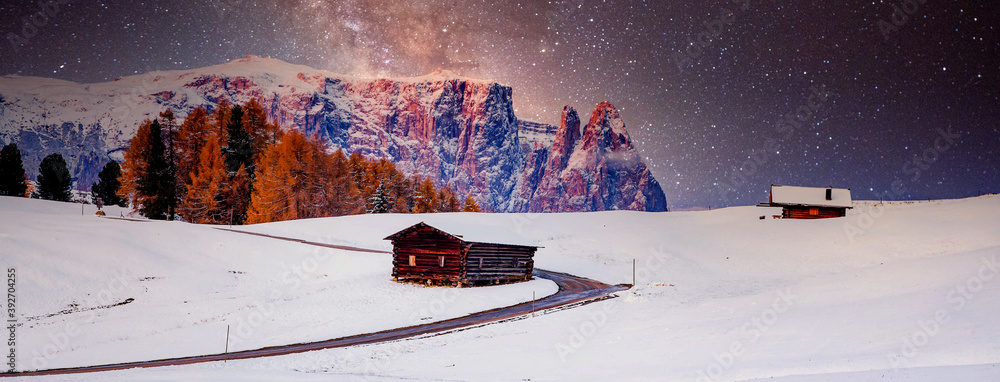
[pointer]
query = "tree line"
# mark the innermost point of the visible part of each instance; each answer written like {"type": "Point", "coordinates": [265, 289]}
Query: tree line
{"type": "Point", "coordinates": [54, 179]}
{"type": "Point", "coordinates": [232, 165]}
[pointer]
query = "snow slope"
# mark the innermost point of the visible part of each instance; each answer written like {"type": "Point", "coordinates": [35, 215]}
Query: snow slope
{"type": "Point", "coordinates": [904, 291]}
{"type": "Point", "coordinates": [94, 290]}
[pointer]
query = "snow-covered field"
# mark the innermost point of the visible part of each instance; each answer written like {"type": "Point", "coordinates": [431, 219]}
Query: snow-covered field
{"type": "Point", "coordinates": [906, 291]}
{"type": "Point", "coordinates": [92, 290]}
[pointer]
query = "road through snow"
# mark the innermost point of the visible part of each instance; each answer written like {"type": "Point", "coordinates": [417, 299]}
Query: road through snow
{"type": "Point", "coordinates": [573, 291]}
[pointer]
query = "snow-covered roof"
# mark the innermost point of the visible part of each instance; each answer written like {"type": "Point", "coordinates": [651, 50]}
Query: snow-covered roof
{"type": "Point", "coordinates": [474, 233]}
{"type": "Point", "coordinates": [810, 196]}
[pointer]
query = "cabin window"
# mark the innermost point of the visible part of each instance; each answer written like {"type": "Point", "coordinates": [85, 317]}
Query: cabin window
{"type": "Point", "coordinates": [829, 194]}
{"type": "Point", "coordinates": [413, 261]}
{"type": "Point", "coordinates": [441, 261]}
{"type": "Point", "coordinates": [813, 211]}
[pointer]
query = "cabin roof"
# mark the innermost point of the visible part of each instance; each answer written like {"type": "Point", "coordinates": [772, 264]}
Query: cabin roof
{"type": "Point", "coordinates": [810, 196]}
{"type": "Point", "coordinates": [471, 233]}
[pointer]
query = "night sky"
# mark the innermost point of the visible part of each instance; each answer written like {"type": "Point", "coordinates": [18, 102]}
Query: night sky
{"type": "Point", "coordinates": [723, 98]}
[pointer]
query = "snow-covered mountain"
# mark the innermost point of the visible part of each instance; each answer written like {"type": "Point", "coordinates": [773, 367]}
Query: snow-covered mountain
{"type": "Point", "coordinates": [458, 131]}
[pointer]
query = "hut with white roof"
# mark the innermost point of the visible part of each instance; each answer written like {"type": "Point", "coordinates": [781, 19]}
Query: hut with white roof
{"type": "Point", "coordinates": [810, 202]}
{"type": "Point", "coordinates": [464, 255]}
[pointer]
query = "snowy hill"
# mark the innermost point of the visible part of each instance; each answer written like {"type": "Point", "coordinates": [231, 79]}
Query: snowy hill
{"type": "Point", "coordinates": [911, 294]}
{"type": "Point", "coordinates": [455, 130]}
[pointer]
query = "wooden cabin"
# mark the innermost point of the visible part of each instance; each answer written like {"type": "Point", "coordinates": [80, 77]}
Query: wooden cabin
{"type": "Point", "coordinates": [464, 255]}
{"type": "Point", "coordinates": [810, 202]}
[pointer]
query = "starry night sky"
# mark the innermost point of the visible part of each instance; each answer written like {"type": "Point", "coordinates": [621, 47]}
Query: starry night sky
{"type": "Point", "coordinates": [707, 89]}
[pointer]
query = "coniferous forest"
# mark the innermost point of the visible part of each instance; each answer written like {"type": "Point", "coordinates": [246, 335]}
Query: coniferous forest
{"type": "Point", "coordinates": [233, 166]}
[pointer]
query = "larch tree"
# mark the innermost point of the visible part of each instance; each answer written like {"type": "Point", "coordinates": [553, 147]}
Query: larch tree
{"type": "Point", "coordinates": [144, 172]}
{"type": "Point", "coordinates": [447, 200]}
{"type": "Point", "coordinates": [54, 180]}
{"type": "Point", "coordinates": [344, 194]}
{"type": "Point", "coordinates": [470, 205]}
{"type": "Point", "coordinates": [12, 178]}
{"type": "Point", "coordinates": [219, 119]}
{"type": "Point", "coordinates": [205, 202]}
{"type": "Point", "coordinates": [192, 135]}
{"type": "Point", "coordinates": [262, 132]}
{"type": "Point", "coordinates": [425, 197]}
{"type": "Point", "coordinates": [276, 196]}
{"type": "Point", "coordinates": [238, 193]}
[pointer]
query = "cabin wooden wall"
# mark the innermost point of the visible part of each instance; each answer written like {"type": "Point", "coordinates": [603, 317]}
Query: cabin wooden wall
{"type": "Point", "coordinates": [493, 262]}
{"type": "Point", "coordinates": [806, 213]}
{"type": "Point", "coordinates": [428, 246]}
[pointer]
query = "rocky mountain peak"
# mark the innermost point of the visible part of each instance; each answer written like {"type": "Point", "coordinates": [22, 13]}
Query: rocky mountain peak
{"type": "Point", "coordinates": [606, 130]}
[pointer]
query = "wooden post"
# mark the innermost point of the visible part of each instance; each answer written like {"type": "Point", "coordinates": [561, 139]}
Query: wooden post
{"type": "Point", "coordinates": [226, 359]}
{"type": "Point", "coordinates": [532, 303]}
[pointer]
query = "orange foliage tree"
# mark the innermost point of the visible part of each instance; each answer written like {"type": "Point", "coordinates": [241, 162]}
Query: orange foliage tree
{"type": "Point", "coordinates": [206, 200]}
{"type": "Point", "coordinates": [294, 176]}
{"type": "Point", "coordinates": [295, 179]}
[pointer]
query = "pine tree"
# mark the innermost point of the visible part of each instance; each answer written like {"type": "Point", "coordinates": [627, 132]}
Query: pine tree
{"type": "Point", "coordinates": [154, 185]}
{"type": "Point", "coordinates": [168, 191]}
{"type": "Point", "coordinates": [380, 201]}
{"type": "Point", "coordinates": [54, 181]}
{"type": "Point", "coordinates": [145, 172]}
{"type": "Point", "coordinates": [239, 144]}
{"type": "Point", "coordinates": [107, 185]}
{"type": "Point", "coordinates": [12, 178]}
{"type": "Point", "coordinates": [205, 201]}
{"type": "Point", "coordinates": [470, 205]}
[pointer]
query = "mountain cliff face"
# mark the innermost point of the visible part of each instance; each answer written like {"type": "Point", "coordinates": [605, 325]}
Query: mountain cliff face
{"type": "Point", "coordinates": [458, 131]}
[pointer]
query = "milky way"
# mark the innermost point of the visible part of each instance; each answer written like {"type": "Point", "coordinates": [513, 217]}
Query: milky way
{"type": "Point", "coordinates": [723, 98]}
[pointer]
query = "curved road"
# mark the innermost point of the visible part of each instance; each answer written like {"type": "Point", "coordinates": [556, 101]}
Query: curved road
{"type": "Point", "coordinates": [573, 291]}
